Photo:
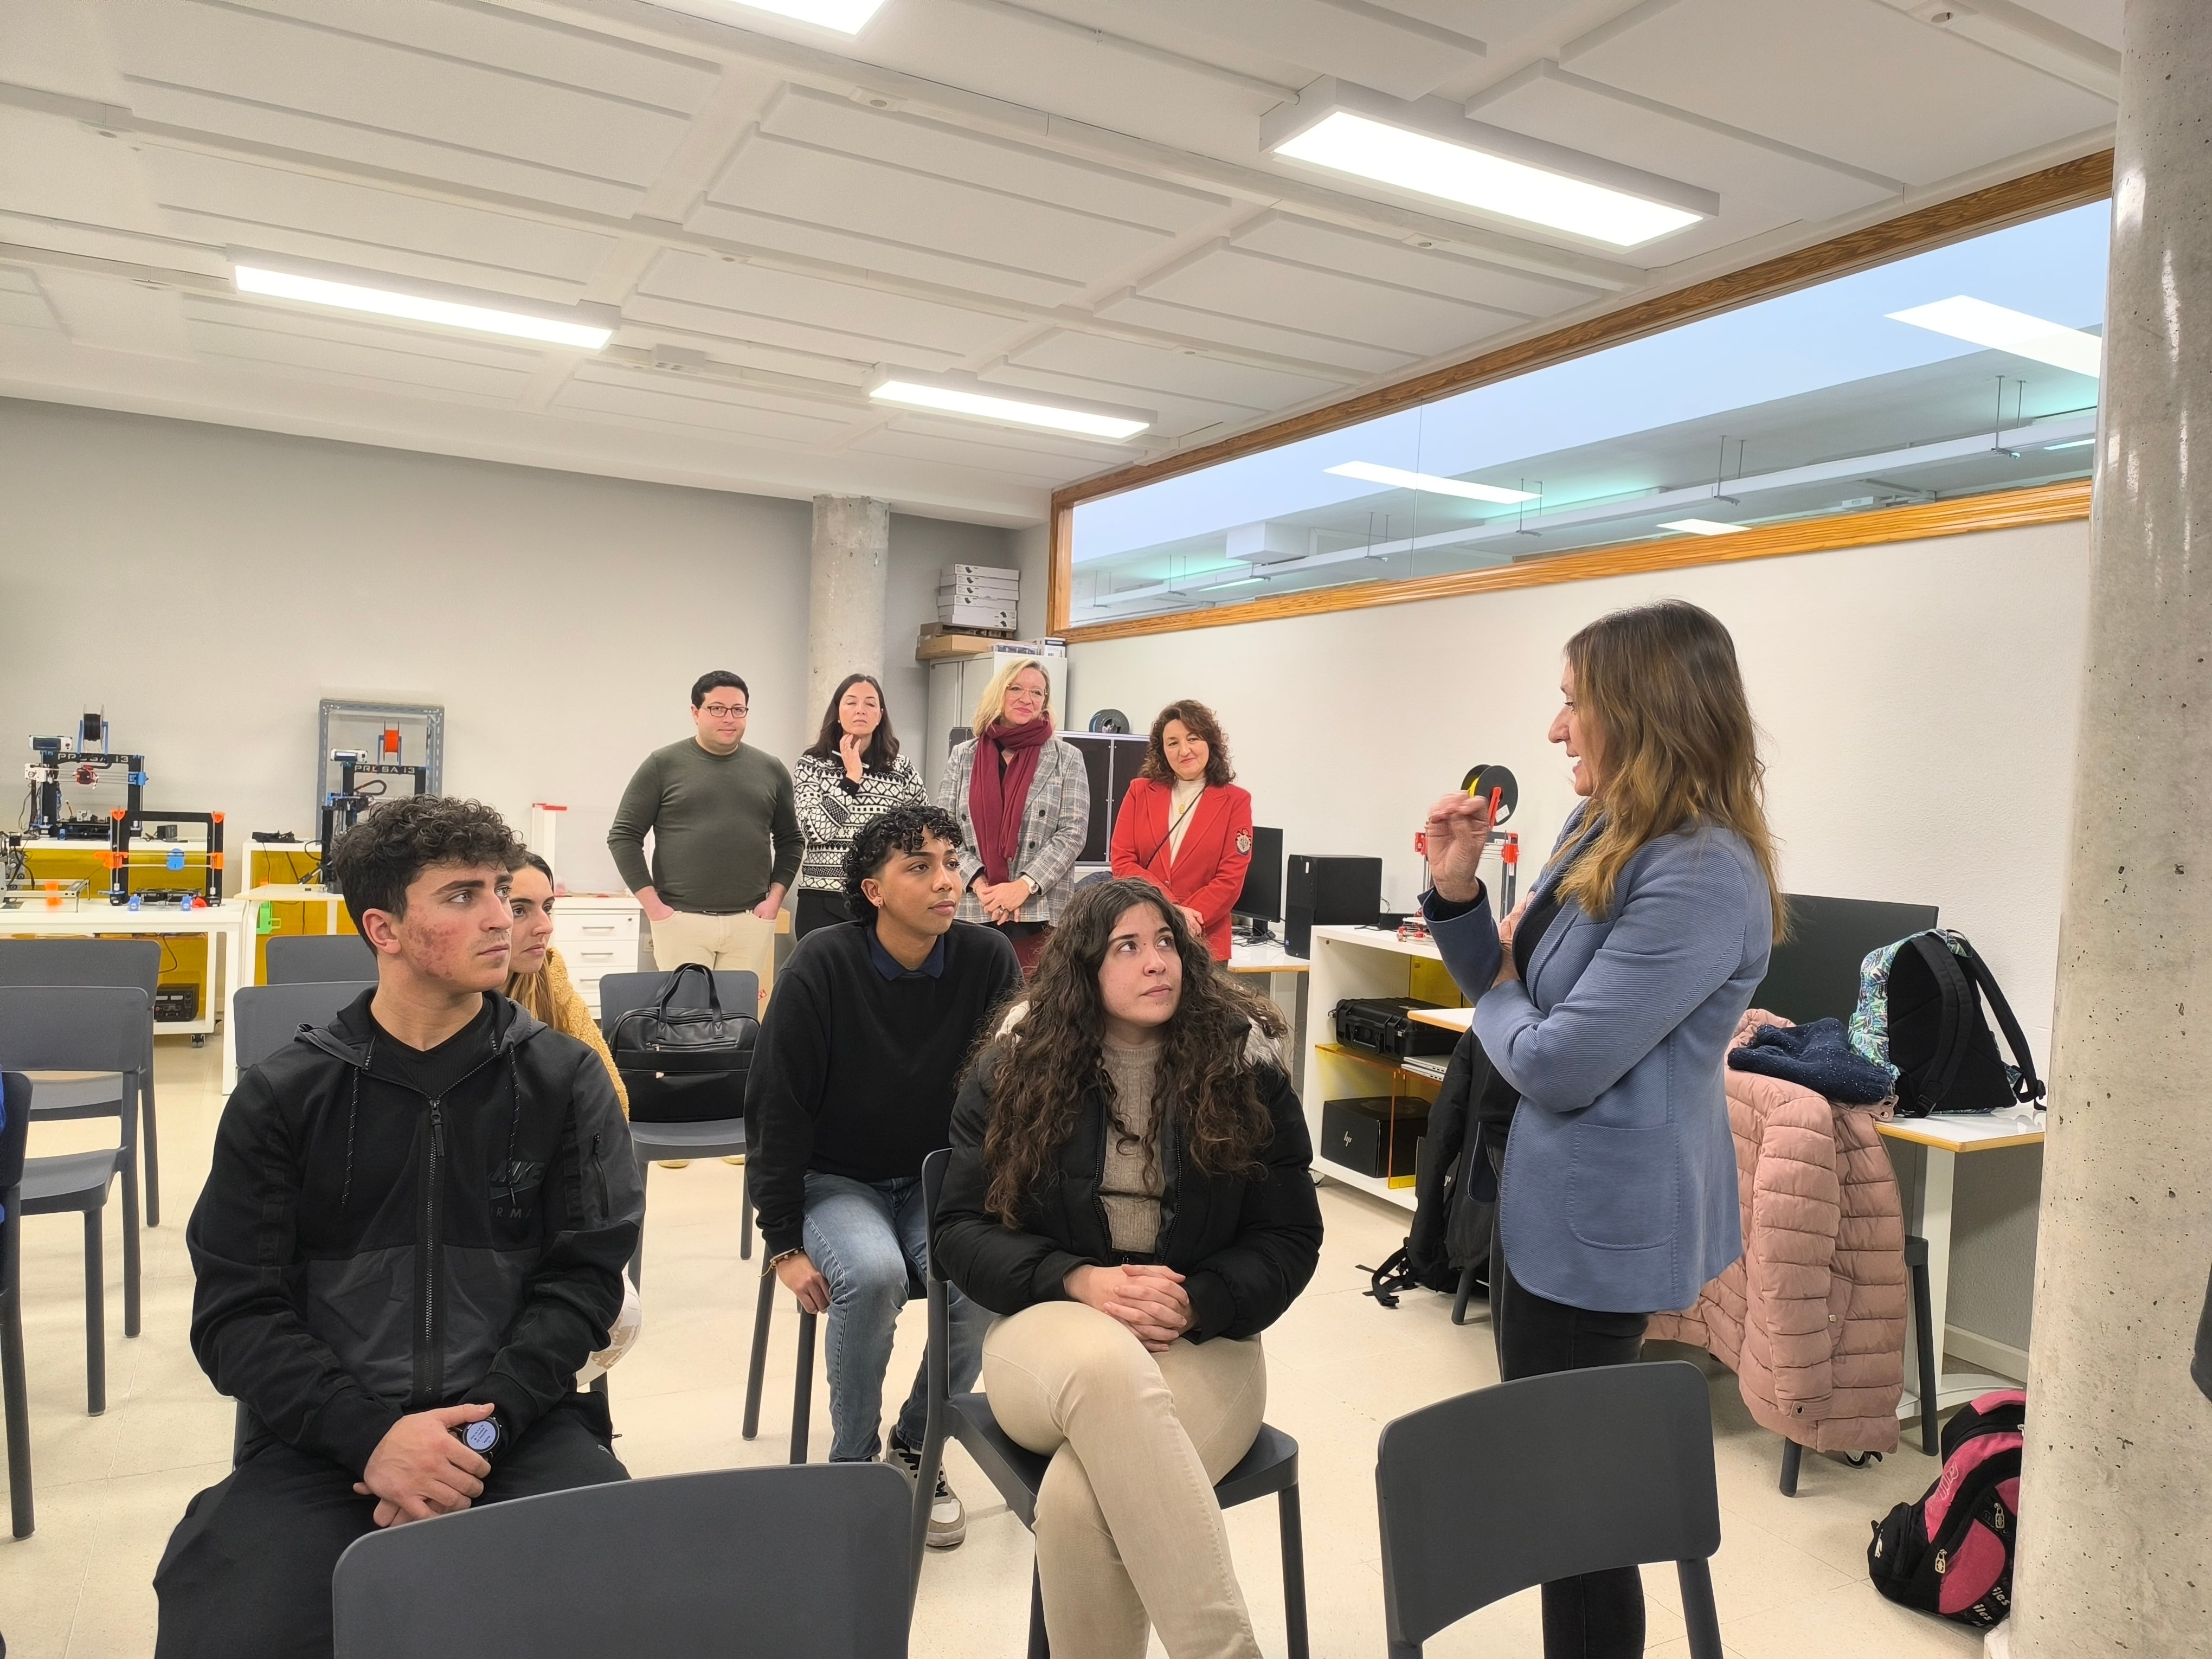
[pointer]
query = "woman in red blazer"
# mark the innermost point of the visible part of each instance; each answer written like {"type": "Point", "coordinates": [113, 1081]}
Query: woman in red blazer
{"type": "Point", "coordinates": [1183, 826]}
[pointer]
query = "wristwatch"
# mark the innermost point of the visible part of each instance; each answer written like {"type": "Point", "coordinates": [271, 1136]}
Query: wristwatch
{"type": "Point", "coordinates": [486, 1437]}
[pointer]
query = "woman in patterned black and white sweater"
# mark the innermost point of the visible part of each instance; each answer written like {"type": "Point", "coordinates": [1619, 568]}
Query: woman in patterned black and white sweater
{"type": "Point", "coordinates": [854, 771]}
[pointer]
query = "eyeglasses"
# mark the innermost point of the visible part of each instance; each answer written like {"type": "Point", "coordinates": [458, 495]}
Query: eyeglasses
{"type": "Point", "coordinates": [723, 711]}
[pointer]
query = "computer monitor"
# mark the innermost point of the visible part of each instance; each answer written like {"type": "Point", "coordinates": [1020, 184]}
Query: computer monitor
{"type": "Point", "coordinates": [1262, 897]}
{"type": "Point", "coordinates": [1814, 974]}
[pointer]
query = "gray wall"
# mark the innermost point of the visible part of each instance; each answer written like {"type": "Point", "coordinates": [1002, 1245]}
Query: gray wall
{"type": "Point", "coordinates": [207, 585]}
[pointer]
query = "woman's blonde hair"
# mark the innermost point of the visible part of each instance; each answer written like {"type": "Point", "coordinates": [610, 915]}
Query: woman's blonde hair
{"type": "Point", "coordinates": [993, 703]}
{"type": "Point", "coordinates": [1658, 688]}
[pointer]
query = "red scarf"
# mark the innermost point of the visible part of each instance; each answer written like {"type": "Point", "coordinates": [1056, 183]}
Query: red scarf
{"type": "Point", "coordinates": [996, 802]}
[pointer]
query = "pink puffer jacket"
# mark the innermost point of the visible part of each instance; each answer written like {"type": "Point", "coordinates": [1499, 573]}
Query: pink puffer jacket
{"type": "Point", "coordinates": [1812, 1318]}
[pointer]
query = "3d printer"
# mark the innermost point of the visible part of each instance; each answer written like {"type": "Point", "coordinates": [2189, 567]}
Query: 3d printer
{"type": "Point", "coordinates": [79, 761]}
{"type": "Point", "coordinates": [361, 785]}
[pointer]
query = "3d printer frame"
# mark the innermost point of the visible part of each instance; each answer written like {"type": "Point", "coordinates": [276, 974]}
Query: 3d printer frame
{"type": "Point", "coordinates": [123, 824]}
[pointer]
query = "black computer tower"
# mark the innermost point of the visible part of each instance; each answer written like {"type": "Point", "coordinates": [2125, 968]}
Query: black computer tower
{"type": "Point", "coordinates": [1324, 890]}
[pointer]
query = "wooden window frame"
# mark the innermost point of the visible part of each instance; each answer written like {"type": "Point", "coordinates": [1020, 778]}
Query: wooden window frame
{"type": "Point", "coordinates": [2070, 184]}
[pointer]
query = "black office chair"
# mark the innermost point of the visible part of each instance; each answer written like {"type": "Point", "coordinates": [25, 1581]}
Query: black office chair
{"type": "Point", "coordinates": [619, 993]}
{"type": "Point", "coordinates": [264, 1018]}
{"type": "Point", "coordinates": [15, 1131]}
{"type": "Point", "coordinates": [1271, 1468]}
{"type": "Point", "coordinates": [1547, 1478]}
{"type": "Point", "coordinates": [773, 1563]}
{"type": "Point", "coordinates": [313, 958]}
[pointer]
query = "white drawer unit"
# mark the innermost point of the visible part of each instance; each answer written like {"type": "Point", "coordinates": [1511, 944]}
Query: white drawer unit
{"type": "Point", "coordinates": [596, 933]}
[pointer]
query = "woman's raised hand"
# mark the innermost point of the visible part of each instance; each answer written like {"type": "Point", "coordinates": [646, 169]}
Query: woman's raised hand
{"type": "Point", "coordinates": [1457, 830]}
{"type": "Point", "coordinates": [849, 749]}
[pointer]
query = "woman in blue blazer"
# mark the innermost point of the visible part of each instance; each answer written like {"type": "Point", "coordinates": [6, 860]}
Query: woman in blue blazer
{"type": "Point", "coordinates": [1606, 1004]}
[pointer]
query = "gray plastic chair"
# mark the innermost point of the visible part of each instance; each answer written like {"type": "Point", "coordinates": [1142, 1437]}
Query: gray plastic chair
{"type": "Point", "coordinates": [97, 962]}
{"type": "Point", "coordinates": [15, 1392]}
{"type": "Point", "coordinates": [265, 1017]}
{"type": "Point", "coordinates": [86, 1028]}
{"type": "Point", "coordinates": [1547, 1478]}
{"type": "Point", "coordinates": [310, 958]}
{"type": "Point", "coordinates": [774, 1562]}
{"type": "Point", "coordinates": [1271, 1468]}
{"type": "Point", "coordinates": [620, 994]}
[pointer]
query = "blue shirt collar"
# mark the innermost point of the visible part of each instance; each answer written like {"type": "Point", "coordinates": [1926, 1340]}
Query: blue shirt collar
{"type": "Point", "coordinates": [891, 967]}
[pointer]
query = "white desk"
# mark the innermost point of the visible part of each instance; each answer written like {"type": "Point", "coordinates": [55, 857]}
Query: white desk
{"type": "Point", "coordinates": [1928, 1216]}
{"type": "Point", "coordinates": [1451, 1019]}
{"type": "Point", "coordinates": [1266, 961]}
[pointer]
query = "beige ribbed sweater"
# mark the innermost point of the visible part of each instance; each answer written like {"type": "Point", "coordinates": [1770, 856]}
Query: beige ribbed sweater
{"type": "Point", "coordinates": [1132, 1181]}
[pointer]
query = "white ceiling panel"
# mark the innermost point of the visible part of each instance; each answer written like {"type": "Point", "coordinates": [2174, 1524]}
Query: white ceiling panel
{"type": "Point", "coordinates": [1239, 282]}
{"type": "Point", "coordinates": [1155, 369]}
{"type": "Point", "coordinates": [699, 406]}
{"type": "Point", "coordinates": [2099, 20]}
{"type": "Point", "coordinates": [22, 305]}
{"type": "Point", "coordinates": [1190, 323]}
{"type": "Point", "coordinates": [1356, 253]}
{"type": "Point", "coordinates": [1851, 80]}
{"type": "Point", "coordinates": [855, 323]}
{"type": "Point", "coordinates": [112, 313]}
{"type": "Point", "coordinates": [63, 169]}
{"type": "Point", "coordinates": [1548, 102]}
{"type": "Point", "coordinates": [314, 346]}
{"type": "Point", "coordinates": [864, 252]}
{"type": "Point", "coordinates": [284, 64]}
{"type": "Point", "coordinates": [235, 203]}
{"type": "Point", "coordinates": [1377, 46]}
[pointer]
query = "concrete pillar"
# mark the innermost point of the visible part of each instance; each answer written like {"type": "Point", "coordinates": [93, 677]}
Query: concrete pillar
{"type": "Point", "coordinates": [845, 600]}
{"type": "Point", "coordinates": [2115, 1524]}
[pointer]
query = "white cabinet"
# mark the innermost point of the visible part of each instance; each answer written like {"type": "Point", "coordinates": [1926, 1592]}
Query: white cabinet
{"type": "Point", "coordinates": [596, 933]}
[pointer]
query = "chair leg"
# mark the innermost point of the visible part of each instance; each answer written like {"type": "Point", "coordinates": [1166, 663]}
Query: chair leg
{"type": "Point", "coordinates": [1698, 1613]}
{"type": "Point", "coordinates": [745, 1213]}
{"type": "Point", "coordinates": [95, 1314]}
{"type": "Point", "coordinates": [1923, 1331]}
{"type": "Point", "coordinates": [1792, 1456]}
{"type": "Point", "coordinates": [1465, 1290]}
{"type": "Point", "coordinates": [802, 1389]}
{"type": "Point", "coordinates": [1040, 1644]}
{"type": "Point", "coordinates": [152, 1148]}
{"type": "Point", "coordinates": [130, 1246]}
{"type": "Point", "coordinates": [1294, 1571]}
{"type": "Point", "coordinates": [12, 1384]}
{"type": "Point", "coordinates": [637, 1256]}
{"type": "Point", "coordinates": [757, 1368]}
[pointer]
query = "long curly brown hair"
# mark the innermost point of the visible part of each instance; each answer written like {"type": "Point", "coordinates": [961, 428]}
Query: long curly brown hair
{"type": "Point", "coordinates": [1047, 1068]}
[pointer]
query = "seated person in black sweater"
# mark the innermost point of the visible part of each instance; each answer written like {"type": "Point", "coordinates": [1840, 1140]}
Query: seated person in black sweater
{"type": "Point", "coordinates": [853, 1084]}
{"type": "Point", "coordinates": [1130, 1184]}
{"type": "Point", "coordinates": [411, 1237]}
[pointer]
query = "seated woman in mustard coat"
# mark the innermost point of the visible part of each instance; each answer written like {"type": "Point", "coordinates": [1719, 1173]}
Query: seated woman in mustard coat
{"type": "Point", "coordinates": [1183, 826]}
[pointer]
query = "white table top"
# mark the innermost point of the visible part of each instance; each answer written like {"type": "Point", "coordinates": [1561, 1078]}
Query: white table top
{"type": "Point", "coordinates": [1380, 938]}
{"type": "Point", "coordinates": [98, 916]}
{"type": "Point", "coordinates": [1269, 958]}
{"type": "Point", "coordinates": [1967, 1134]}
{"type": "Point", "coordinates": [1452, 1019]}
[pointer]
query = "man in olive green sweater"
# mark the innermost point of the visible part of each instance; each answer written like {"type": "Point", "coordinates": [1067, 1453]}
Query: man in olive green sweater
{"type": "Point", "coordinates": [725, 838]}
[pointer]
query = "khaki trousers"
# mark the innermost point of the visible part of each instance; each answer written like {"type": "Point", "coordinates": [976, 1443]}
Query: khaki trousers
{"type": "Point", "coordinates": [1127, 1527]}
{"type": "Point", "coordinates": [742, 943]}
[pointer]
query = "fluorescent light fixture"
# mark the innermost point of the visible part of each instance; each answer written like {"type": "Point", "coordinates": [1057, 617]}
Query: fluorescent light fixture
{"type": "Point", "coordinates": [1431, 147]}
{"type": "Point", "coordinates": [846, 16]}
{"type": "Point", "coordinates": [1369, 472]}
{"type": "Point", "coordinates": [1702, 527]}
{"type": "Point", "coordinates": [2071, 443]}
{"type": "Point", "coordinates": [586, 328]}
{"type": "Point", "coordinates": [974, 399]}
{"type": "Point", "coordinates": [1979, 323]}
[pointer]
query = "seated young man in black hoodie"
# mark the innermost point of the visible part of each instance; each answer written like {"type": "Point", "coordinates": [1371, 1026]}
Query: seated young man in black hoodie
{"type": "Point", "coordinates": [853, 1078]}
{"type": "Point", "coordinates": [412, 1236]}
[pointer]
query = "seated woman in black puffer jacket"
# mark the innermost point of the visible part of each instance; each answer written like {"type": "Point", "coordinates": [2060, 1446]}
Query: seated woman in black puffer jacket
{"type": "Point", "coordinates": [1129, 1185]}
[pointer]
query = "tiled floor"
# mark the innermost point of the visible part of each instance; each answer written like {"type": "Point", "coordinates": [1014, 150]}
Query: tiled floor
{"type": "Point", "coordinates": [1790, 1577]}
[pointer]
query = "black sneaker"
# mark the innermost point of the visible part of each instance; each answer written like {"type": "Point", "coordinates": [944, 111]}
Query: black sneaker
{"type": "Point", "coordinates": [948, 1520]}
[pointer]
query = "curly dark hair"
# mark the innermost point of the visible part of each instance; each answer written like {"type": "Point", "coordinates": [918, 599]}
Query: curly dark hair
{"type": "Point", "coordinates": [374, 863]}
{"type": "Point", "coordinates": [882, 750]}
{"type": "Point", "coordinates": [1199, 721]}
{"type": "Point", "coordinates": [1045, 1069]}
{"type": "Point", "coordinates": [902, 829]}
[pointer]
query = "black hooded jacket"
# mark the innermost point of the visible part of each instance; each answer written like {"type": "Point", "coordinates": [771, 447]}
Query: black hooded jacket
{"type": "Point", "coordinates": [363, 1251]}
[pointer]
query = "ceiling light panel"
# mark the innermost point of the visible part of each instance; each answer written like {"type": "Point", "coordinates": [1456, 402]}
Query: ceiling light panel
{"type": "Point", "coordinates": [1430, 147]}
{"type": "Point", "coordinates": [1369, 472]}
{"type": "Point", "coordinates": [845, 16]}
{"type": "Point", "coordinates": [968, 398]}
{"type": "Point", "coordinates": [582, 328]}
{"type": "Point", "coordinates": [1982, 324]}
{"type": "Point", "coordinates": [1703, 526]}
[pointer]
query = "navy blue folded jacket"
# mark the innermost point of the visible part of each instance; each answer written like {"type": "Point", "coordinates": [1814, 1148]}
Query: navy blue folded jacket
{"type": "Point", "coordinates": [1817, 1057]}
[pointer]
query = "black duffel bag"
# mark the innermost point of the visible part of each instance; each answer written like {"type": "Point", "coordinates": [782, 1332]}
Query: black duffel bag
{"type": "Point", "coordinates": [682, 1063]}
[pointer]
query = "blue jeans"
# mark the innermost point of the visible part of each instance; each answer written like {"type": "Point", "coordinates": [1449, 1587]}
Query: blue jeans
{"type": "Point", "coordinates": [867, 1238]}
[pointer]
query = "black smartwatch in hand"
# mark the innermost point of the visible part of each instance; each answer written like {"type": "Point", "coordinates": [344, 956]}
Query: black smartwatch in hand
{"type": "Point", "coordinates": [487, 1437]}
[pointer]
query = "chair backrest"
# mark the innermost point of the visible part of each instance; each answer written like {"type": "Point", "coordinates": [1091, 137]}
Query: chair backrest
{"type": "Point", "coordinates": [264, 1017]}
{"type": "Point", "coordinates": [799, 1561]}
{"type": "Point", "coordinates": [83, 962]}
{"type": "Point", "coordinates": [15, 1132]}
{"type": "Point", "coordinates": [1544, 1478]}
{"type": "Point", "coordinates": [932, 1186]}
{"type": "Point", "coordinates": [619, 993]}
{"type": "Point", "coordinates": [310, 958]}
{"type": "Point", "coordinates": [75, 1027]}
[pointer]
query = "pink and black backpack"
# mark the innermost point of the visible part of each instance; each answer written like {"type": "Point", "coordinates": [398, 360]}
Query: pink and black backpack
{"type": "Point", "coordinates": [1951, 1553]}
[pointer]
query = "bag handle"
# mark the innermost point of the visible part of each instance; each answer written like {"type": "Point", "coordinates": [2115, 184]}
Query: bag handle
{"type": "Point", "coordinates": [676, 980]}
{"type": "Point", "coordinates": [1952, 986]}
{"type": "Point", "coordinates": [2030, 1086]}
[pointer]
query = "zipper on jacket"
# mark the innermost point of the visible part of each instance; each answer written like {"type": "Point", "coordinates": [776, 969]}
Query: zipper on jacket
{"type": "Point", "coordinates": [432, 1372]}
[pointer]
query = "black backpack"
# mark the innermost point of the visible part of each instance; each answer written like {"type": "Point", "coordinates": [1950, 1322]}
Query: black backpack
{"type": "Point", "coordinates": [1920, 1014]}
{"type": "Point", "coordinates": [681, 1063]}
{"type": "Point", "coordinates": [1451, 1224]}
{"type": "Point", "coordinates": [1951, 1554]}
